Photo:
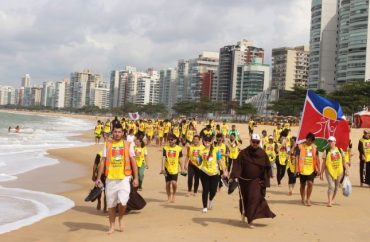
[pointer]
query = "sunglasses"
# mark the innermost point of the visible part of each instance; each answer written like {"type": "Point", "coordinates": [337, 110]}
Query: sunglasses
{"type": "Point", "coordinates": [171, 139]}
{"type": "Point", "coordinates": [255, 142]}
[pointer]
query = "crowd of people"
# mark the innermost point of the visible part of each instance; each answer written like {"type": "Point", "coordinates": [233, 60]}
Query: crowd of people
{"type": "Point", "coordinates": [213, 159]}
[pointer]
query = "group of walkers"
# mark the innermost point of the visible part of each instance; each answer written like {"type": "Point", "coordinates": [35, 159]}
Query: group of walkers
{"type": "Point", "coordinates": [213, 159]}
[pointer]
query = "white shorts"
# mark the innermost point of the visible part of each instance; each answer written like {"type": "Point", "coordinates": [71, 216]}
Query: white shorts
{"type": "Point", "coordinates": [117, 191]}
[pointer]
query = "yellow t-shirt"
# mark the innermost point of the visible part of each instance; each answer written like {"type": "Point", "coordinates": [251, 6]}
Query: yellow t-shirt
{"type": "Point", "coordinates": [308, 168]}
{"type": "Point", "coordinates": [283, 154]}
{"type": "Point", "coordinates": [222, 149]}
{"type": "Point", "coordinates": [117, 162]}
{"type": "Point", "coordinates": [224, 129]}
{"type": "Point", "coordinates": [234, 150]}
{"type": "Point", "coordinates": [172, 155]}
{"type": "Point", "coordinates": [140, 153]}
{"type": "Point", "coordinates": [209, 163]}
{"type": "Point", "coordinates": [270, 151]}
{"type": "Point", "coordinates": [334, 163]}
{"type": "Point", "coordinates": [194, 153]}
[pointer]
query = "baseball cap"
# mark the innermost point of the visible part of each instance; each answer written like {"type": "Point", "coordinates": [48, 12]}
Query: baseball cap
{"type": "Point", "coordinates": [367, 131]}
{"type": "Point", "coordinates": [271, 137]}
{"type": "Point", "coordinates": [256, 137]}
{"type": "Point", "coordinates": [332, 138]}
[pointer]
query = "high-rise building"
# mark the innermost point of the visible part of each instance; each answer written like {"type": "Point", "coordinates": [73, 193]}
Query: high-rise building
{"type": "Point", "coordinates": [182, 80]}
{"type": "Point", "coordinates": [289, 67]}
{"type": "Point", "coordinates": [7, 95]}
{"type": "Point", "coordinates": [147, 88]}
{"type": "Point", "coordinates": [48, 94]}
{"type": "Point", "coordinates": [114, 89]}
{"type": "Point", "coordinates": [81, 88]}
{"type": "Point", "coordinates": [230, 58]}
{"type": "Point", "coordinates": [60, 94]}
{"type": "Point", "coordinates": [199, 85]}
{"type": "Point", "coordinates": [123, 86]}
{"type": "Point", "coordinates": [345, 23]}
{"type": "Point", "coordinates": [323, 36]}
{"type": "Point", "coordinates": [100, 97]}
{"type": "Point", "coordinates": [26, 81]}
{"type": "Point", "coordinates": [353, 45]}
{"type": "Point", "coordinates": [167, 85]}
{"type": "Point", "coordinates": [36, 96]}
{"type": "Point", "coordinates": [252, 79]}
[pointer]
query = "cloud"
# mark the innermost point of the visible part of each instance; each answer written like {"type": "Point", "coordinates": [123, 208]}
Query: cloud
{"type": "Point", "coordinates": [49, 39]}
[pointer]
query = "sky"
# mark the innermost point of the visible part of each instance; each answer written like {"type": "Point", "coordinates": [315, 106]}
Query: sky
{"type": "Point", "coordinates": [49, 39]}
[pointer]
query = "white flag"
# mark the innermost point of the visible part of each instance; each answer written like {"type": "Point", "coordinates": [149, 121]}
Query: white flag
{"type": "Point", "coordinates": [134, 116]}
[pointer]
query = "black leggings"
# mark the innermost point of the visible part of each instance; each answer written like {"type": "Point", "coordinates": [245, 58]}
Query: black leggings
{"type": "Point", "coordinates": [362, 173]}
{"type": "Point", "coordinates": [292, 177]}
{"type": "Point", "coordinates": [229, 164]}
{"type": "Point", "coordinates": [209, 184]}
{"type": "Point", "coordinates": [280, 171]}
{"type": "Point", "coordinates": [193, 172]}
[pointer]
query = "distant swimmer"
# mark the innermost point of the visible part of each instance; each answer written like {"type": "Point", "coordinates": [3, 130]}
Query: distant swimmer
{"type": "Point", "coordinates": [9, 129]}
{"type": "Point", "coordinates": [17, 129]}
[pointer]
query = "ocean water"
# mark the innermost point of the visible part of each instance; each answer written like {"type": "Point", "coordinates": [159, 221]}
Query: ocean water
{"type": "Point", "coordinates": [24, 151]}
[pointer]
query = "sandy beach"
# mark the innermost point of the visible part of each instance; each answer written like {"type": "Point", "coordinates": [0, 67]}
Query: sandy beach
{"type": "Point", "coordinates": [348, 220]}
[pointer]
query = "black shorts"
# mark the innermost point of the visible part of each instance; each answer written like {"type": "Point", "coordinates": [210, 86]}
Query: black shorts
{"type": "Point", "coordinates": [305, 178]}
{"type": "Point", "coordinates": [171, 177]}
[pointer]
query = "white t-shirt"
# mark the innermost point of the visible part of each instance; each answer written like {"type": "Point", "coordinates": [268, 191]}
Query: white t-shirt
{"type": "Point", "coordinates": [130, 138]}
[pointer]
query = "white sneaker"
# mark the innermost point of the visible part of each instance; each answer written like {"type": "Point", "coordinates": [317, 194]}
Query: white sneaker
{"type": "Point", "coordinates": [210, 204]}
{"type": "Point", "coordinates": [205, 210]}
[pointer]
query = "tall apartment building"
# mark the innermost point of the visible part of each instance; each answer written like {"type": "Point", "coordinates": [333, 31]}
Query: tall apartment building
{"type": "Point", "coordinates": [167, 86]}
{"type": "Point", "coordinates": [322, 44]}
{"type": "Point", "coordinates": [230, 58]}
{"type": "Point", "coordinates": [345, 23]}
{"type": "Point", "coordinates": [290, 67]}
{"type": "Point", "coordinates": [35, 97]}
{"type": "Point", "coordinates": [7, 95]}
{"type": "Point", "coordinates": [199, 68]}
{"type": "Point", "coordinates": [353, 45]}
{"type": "Point", "coordinates": [26, 81]}
{"type": "Point", "coordinates": [60, 93]}
{"type": "Point", "coordinates": [252, 79]}
{"type": "Point", "coordinates": [147, 88]}
{"type": "Point", "coordinates": [182, 92]}
{"type": "Point", "coordinates": [100, 97]}
{"type": "Point", "coordinates": [123, 86]}
{"type": "Point", "coordinates": [81, 88]}
{"type": "Point", "coordinates": [48, 94]}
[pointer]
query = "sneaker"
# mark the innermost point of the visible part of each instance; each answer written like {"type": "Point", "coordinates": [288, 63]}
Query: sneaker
{"type": "Point", "coordinates": [205, 210]}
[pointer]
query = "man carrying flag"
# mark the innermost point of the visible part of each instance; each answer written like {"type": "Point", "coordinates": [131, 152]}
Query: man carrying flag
{"type": "Point", "coordinates": [321, 118]}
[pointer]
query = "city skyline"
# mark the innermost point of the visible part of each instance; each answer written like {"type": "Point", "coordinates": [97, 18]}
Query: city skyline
{"type": "Point", "coordinates": [51, 39]}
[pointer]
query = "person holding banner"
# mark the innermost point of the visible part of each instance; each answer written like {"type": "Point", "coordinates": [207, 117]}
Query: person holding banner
{"type": "Point", "coordinates": [333, 168]}
{"type": "Point", "coordinates": [364, 150]}
{"type": "Point", "coordinates": [308, 164]}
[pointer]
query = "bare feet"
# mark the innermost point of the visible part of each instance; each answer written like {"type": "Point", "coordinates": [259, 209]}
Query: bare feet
{"type": "Point", "coordinates": [111, 230]}
{"type": "Point", "coordinates": [329, 205]}
{"type": "Point", "coordinates": [308, 203]}
{"type": "Point", "coordinates": [187, 194]}
{"type": "Point", "coordinates": [173, 199]}
{"type": "Point", "coordinates": [121, 227]}
{"type": "Point", "coordinates": [194, 194]}
{"type": "Point", "coordinates": [290, 193]}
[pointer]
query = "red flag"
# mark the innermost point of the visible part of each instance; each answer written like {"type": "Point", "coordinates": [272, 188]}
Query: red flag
{"type": "Point", "coordinates": [323, 118]}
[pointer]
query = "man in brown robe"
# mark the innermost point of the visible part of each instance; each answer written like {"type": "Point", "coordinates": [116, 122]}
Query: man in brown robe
{"type": "Point", "coordinates": [252, 170]}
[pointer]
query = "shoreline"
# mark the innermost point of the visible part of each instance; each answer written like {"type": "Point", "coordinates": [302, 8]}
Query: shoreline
{"type": "Point", "coordinates": [178, 221]}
